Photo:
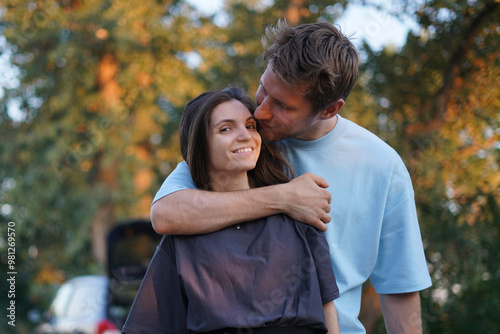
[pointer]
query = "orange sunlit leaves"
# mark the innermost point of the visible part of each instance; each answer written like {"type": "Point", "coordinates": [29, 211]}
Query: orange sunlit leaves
{"type": "Point", "coordinates": [86, 165]}
{"type": "Point", "coordinates": [102, 34]}
{"type": "Point", "coordinates": [49, 275]}
{"type": "Point", "coordinates": [110, 90]}
{"type": "Point", "coordinates": [142, 181]}
{"type": "Point", "coordinates": [144, 79]}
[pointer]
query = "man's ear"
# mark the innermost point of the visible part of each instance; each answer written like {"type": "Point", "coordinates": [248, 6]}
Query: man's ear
{"type": "Point", "coordinates": [332, 109]}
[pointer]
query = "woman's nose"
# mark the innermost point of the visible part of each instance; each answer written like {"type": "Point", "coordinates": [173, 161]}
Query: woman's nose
{"type": "Point", "coordinates": [244, 135]}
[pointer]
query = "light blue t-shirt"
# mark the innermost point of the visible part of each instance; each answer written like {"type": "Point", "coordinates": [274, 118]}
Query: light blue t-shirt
{"type": "Point", "coordinates": [374, 233]}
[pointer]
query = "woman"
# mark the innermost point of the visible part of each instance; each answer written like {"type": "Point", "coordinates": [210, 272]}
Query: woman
{"type": "Point", "coordinates": [270, 275]}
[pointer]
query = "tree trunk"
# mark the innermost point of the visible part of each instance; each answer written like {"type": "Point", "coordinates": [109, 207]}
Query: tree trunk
{"type": "Point", "coordinates": [102, 223]}
{"type": "Point", "coordinates": [105, 218]}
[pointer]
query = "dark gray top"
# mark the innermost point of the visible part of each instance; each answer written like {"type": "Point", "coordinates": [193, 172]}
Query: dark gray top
{"type": "Point", "coordinates": [268, 272]}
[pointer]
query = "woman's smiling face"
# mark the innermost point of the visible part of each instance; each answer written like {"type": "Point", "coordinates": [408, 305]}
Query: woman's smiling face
{"type": "Point", "coordinates": [233, 143]}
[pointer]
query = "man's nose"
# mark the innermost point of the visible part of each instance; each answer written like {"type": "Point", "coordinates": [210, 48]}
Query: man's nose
{"type": "Point", "coordinates": [263, 112]}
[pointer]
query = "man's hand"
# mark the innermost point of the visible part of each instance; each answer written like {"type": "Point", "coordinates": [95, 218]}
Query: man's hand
{"type": "Point", "coordinates": [308, 201]}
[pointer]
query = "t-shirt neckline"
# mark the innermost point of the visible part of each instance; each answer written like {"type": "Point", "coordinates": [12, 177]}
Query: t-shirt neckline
{"type": "Point", "coordinates": [327, 139]}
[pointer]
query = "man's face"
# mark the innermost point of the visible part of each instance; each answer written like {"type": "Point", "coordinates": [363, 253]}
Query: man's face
{"type": "Point", "coordinates": [283, 111]}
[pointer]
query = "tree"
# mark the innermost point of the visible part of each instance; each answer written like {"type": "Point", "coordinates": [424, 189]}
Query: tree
{"type": "Point", "coordinates": [442, 115]}
{"type": "Point", "coordinates": [101, 87]}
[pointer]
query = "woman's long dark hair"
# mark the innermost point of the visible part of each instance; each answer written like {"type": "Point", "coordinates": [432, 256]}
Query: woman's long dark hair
{"type": "Point", "coordinates": [271, 168]}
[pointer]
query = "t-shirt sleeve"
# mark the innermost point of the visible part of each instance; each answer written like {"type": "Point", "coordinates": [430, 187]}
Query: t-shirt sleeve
{"type": "Point", "coordinates": [324, 270]}
{"type": "Point", "coordinates": [179, 179]}
{"type": "Point", "coordinates": [160, 305]}
{"type": "Point", "coordinates": [401, 266]}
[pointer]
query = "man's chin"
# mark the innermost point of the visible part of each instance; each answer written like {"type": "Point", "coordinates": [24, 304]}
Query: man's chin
{"type": "Point", "coordinates": [270, 136]}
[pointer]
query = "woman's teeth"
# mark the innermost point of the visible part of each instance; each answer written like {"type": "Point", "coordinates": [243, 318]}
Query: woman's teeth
{"type": "Point", "coordinates": [242, 150]}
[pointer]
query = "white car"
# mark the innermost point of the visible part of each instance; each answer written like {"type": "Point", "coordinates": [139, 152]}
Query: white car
{"type": "Point", "coordinates": [98, 304]}
{"type": "Point", "coordinates": [80, 306]}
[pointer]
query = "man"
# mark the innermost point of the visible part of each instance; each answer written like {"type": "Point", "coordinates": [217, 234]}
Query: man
{"type": "Point", "coordinates": [374, 234]}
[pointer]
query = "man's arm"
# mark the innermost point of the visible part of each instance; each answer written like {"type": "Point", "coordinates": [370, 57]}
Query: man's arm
{"type": "Point", "coordinates": [191, 211]}
{"type": "Point", "coordinates": [331, 319]}
{"type": "Point", "coordinates": [402, 312]}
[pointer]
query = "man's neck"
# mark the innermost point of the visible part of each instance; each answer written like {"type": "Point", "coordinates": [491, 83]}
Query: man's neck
{"type": "Point", "coordinates": [319, 129]}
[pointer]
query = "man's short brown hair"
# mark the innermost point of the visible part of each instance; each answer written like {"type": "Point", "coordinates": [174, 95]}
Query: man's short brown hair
{"type": "Point", "coordinates": [316, 56]}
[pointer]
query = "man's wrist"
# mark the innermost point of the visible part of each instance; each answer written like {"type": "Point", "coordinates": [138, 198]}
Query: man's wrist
{"type": "Point", "coordinates": [278, 198]}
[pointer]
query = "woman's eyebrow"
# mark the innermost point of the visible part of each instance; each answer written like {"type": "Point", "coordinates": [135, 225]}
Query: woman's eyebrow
{"type": "Point", "coordinates": [227, 120]}
{"type": "Point", "coordinates": [230, 120]}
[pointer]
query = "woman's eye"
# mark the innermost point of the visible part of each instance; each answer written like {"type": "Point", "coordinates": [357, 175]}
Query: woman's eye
{"type": "Point", "coordinates": [251, 126]}
{"type": "Point", "coordinates": [224, 129]}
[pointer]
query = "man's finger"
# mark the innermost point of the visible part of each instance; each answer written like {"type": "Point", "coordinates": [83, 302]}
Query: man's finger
{"type": "Point", "coordinates": [326, 218]}
{"type": "Point", "coordinates": [321, 226]}
{"type": "Point", "coordinates": [328, 196]}
{"type": "Point", "coordinates": [319, 180]}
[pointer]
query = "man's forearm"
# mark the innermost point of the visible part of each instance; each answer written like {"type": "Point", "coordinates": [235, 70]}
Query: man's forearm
{"type": "Point", "coordinates": [402, 313]}
{"type": "Point", "coordinates": [331, 318]}
{"type": "Point", "coordinates": [191, 211]}
{"type": "Point", "coordinates": [194, 211]}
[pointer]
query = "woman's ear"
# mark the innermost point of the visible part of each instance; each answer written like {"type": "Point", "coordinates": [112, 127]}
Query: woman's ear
{"type": "Point", "coordinates": [332, 109]}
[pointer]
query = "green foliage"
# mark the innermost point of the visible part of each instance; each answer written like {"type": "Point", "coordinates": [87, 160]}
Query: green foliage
{"type": "Point", "coordinates": [98, 80]}
{"type": "Point", "coordinates": [442, 117]}
{"type": "Point", "coordinates": [466, 270]}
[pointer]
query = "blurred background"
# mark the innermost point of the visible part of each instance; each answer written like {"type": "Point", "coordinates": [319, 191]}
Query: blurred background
{"type": "Point", "coordinates": [90, 97]}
